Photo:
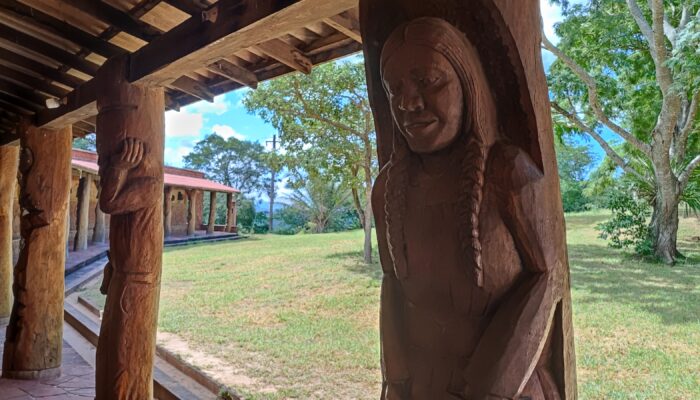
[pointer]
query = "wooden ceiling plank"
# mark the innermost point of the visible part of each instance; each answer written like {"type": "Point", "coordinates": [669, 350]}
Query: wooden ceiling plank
{"type": "Point", "coordinates": [60, 28]}
{"type": "Point", "coordinates": [39, 68]}
{"type": "Point", "coordinates": [193, 87]}
{"type": "Point", "coordinates": [235, 73]}
{"type": "Point", "coordinates": [11, 104]}
{"type": "Point", "coordinates": [187, 6]}
{"type": "Point", "coordinates": [287, 55]}
{"type": "Point", "coordinates": [347, 26]}
{"type": "Point", "coordinates": [33, 44]}
{"type": "Point", "coordinates": [117, 18]}
{"type": "Point", "coordinates": [24, 97]}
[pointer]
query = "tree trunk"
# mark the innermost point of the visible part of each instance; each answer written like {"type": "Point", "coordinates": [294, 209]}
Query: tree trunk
{"type": "Point", "coordinates": [358, 206]}
{"type": "Point", "coordinates": [664, 224]}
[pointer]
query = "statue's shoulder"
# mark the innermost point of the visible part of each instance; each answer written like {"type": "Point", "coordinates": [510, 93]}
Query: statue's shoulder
{"type": "Point", "coordinates": [510, 167]}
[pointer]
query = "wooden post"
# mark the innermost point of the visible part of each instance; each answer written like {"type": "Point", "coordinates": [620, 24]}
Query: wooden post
{"type": "Point", "coordinates": [8, 178]}
{"type": "Point", "coordinates": [35, 333]}
{"type": "Point", "coordinates": [212, 213]}
{"type": "Point", "coordinates": [167, 211]}
{"type": "Point", "coordinates": [475, 190]}
{"type": "Point", "coordinates": [230, 223]}
{"type": "Point", "coordinates": [98, 234]}
{"type": "Point", "coordinates": [191, 212]}
{"type": "Point", "coordinates": [130, 141]}
{"type": "Point", "coordinates": [83, 213]}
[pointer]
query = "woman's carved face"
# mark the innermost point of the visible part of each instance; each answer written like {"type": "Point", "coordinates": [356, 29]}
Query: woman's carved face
{"type": "Point", "coordinates": [426, 97]}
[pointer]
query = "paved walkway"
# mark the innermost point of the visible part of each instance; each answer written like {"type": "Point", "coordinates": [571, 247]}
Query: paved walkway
{"type": "Point", "coordinates": [77, 380]}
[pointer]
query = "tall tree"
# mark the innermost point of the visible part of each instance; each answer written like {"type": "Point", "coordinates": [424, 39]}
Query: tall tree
{"type": "Point", "coordinates": [633, 68]}
{"type": "Point", "coordinates": [326, 127]}
{"type": "Point", "coordinates": [574, 162]}
{"type": "Point", "coordinates": [232, 162]}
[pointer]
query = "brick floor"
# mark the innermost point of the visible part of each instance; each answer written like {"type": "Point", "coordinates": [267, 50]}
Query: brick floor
{"type": "Point", "coordinates": [77, 380]}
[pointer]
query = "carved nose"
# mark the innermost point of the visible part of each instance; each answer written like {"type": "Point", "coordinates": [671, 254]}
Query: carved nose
{"type": "Point", "coordinates": [411, 102]}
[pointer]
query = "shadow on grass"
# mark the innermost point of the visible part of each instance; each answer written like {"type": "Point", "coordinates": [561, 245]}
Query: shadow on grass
{"type": "Point", "coordinates": [609, 277]}
{"type": "Point", "coordinates": [354, 262]}
{"type": "Point", "coordinates": [170, 249]}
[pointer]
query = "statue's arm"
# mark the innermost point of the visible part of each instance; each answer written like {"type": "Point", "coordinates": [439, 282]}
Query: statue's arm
{"type": "Point", "coordinates": [121, 194]}
{"type": "Point", "coordinates": [394, 365]}
{"type": "Point", "coordinates": [511, 346]}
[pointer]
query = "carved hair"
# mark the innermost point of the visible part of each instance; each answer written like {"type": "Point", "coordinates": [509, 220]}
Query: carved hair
{"type": "Point", "coordinates": [479, 130]}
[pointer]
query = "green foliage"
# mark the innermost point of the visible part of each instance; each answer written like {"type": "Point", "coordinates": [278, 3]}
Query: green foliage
{"type": "Point", "coordinates": [87, 142]}
{"type": "Point", "coordinates": [237, 163]}
{"type": "Point", "coordinates": [325, 123]}
{"type": "Point", "coordinates": [246, 214]}
{"type": "Point", "coordinates": [628, 225]}
{"type": "Point", "coordinates": [260, 224]}
{"type": "Point", "coordinates": [320, 203]}
{"type": "Point", "coordinates": [574, 163]}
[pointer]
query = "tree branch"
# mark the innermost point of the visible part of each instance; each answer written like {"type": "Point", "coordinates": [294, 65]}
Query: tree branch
{"type": "Point", "coordinates": [592, 86]}
{"type": "Point", "coordinates": [663, 73]}
{"type": "Point", "coordinates": [682, 140]}
{"type": "Point", "coordinates": [684, 177]}
{"type": "Point", "coordinates": [643, 25]}
{"type": "Point", "coordinates": [321, 118]}
{"type": "Point", "coordinates": [609, 151]}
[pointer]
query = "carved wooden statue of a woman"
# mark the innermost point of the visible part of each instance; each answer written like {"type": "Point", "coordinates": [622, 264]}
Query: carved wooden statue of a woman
{"type": "Point", "coordinates": [467, 305]}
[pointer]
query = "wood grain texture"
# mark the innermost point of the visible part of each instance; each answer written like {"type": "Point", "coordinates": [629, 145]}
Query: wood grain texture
{"type": "Point", "coordinates": [35, 333]}
{"type": "Point", "coordinates": [130, 142]}
{"type": "Point", "coordinates": [167, 211]}
{"type": "Point", "coordinates": [9, 156]}
{"type": "Point", "coordinates": [211, 225]}
{"type": "Point", "coordinates": [230, 212]}
{"type": "Point", "coordinates": [83, 214]}
{"type": "Point", "coordinates": [475, 299]}
{"type": "Point", "coordinates": [99, 232]}
{"type": "Point", "coordinates": [191, 212]}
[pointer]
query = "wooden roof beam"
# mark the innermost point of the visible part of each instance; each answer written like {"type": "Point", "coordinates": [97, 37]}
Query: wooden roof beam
{"type": "Point", "coordinates": [190, 7]}
{"type": "Point", "coordinates": [235, 73]}
{"type": "Point", "coordinates": [117, 18]}
{"type": "Point", "coordinates": [39, 68]}
{"type": "Point", "coordinates": [23, 97]}
{"type": "Point", "coordinates": [287, 54]}
{"type": "Point", "coordinates": [196, 43]}
{"type": "Point", "coordinates": [31, 81]}
{"type": "Point", "coordinates": [10, 103]}
{"type": "Point", "coordinates": [193, 87]}
{"type": "Point", "coordinates": [60, 28]}
{"type": "Point", "coordinates": [349, 27]}
{"type": "Point", "coordinates": [38, 46]}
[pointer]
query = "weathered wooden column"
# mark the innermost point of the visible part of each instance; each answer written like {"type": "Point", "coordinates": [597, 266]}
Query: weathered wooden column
{"type": "Point", "coordinates": [8, 178]}
{"type": "Point", "coordinates": [475, 299]}
{"type": "Point", "coordinates": [130, 141]}
{"type": "Point", "coordinates": [83, 213]}
{"type": "Point", "coordinates": [212, 213]}
{"type": "Point", "coordinates": [167, 211]}
{"type": "Point", "coordinates": [35, 333]}
{"type": "Point", "coordinates": [230, 219]}
{"type": "Point", "coordinates": [191, 212]}
{"type": "Point", "coordinates": [98, 233]}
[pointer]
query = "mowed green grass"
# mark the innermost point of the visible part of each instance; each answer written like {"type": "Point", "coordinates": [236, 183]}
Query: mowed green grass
{"type": "Point", "coordinates": [299, 314]}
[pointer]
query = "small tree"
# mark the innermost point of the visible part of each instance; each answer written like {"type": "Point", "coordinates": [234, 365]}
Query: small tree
{"type": "Point", "coordinates": [326, 126]}
{"type": "Point", "coordinates": [319, 201]}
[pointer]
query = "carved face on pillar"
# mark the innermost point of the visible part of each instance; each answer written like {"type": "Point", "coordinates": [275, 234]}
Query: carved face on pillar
{"type": "Point", "coordinates": [426, 97]}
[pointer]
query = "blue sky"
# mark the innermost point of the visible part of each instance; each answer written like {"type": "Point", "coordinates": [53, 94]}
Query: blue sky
{"type": "Point", "coordinates": [227, 117]}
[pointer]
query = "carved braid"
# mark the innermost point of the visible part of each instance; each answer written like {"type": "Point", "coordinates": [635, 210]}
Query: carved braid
{"type": "Point", "coordinates": [395, 204]}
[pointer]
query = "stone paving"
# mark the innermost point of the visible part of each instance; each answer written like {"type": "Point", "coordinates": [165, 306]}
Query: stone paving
{"type": "Point", "coordinates": [77, 380]}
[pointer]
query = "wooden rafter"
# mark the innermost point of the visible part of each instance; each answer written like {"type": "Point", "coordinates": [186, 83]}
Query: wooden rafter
{"type": "Point", "coordinates": [193, 87]}
{"type": "Point", "coordinates": [26, 98]}
{"type": "Point", "coordinates": [117, 18]}
{"type": "Point", "coordinates": [11, 104]}
{"type": "Point", "coordinates": [31, 81]}
{"type": "Point", "coordinates": [60, 28]}
{"type": "Point", "coordinates": [235, 73]}
{"type": "Point", "coordinates": [29, 64]}
{"type": "Point", "coordinates": [287, 54]}
{"type": "Point", "coordinates": [345, 25]}
{"type": "Point", "coordinates": [39, 46]}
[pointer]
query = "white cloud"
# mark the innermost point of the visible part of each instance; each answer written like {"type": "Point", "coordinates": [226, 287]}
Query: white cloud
{"type": "Point", "coordinates": [551, 14]}
{"type": "Point", "coordinates": [174, 156]}
{"type": "Point", "coordinates": [183, 124]}
{"type": "Point", "coordinates": [226, 131]}
{"type": "Point", "coordinates": [218, 107]}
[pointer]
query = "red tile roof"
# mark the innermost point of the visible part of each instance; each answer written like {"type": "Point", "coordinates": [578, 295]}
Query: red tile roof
{"type": "Point", "coordinates": [176, 177]}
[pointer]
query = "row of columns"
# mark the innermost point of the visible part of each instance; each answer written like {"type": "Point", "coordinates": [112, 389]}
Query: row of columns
{"type": "Point", "coordinates": [192, 212]}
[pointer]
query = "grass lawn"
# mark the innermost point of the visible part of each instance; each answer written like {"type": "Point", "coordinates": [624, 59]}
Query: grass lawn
{"type": "Point", "coordinates": [297, 316]}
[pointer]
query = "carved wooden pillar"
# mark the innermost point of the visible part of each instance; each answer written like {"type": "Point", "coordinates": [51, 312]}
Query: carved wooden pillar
{"type": "Point", "coordinates": [130, 141]}
{"type": "Point", "coordinates": [83, 213]}
{"type": "Point", "coordinates": [191, 212]}
{"type": "Point", "coordinates": [98, 234]}
{"type": "Point", "coordinates": [230, 219]}
{"type": "Point", "coordinates": [35, 334]}
{"type": "Point", "coordinates": [475, 298]}
{"type": "Point", "coordinates": [212, 213]}
{"type": "Point", "coordinates": [167, 211]}
{"type": "Point", "coordinates": [8, 180]}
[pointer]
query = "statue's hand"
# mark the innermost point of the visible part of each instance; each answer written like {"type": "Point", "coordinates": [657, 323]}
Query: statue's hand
{"type": "Point", "coordinates": [130, 156]}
